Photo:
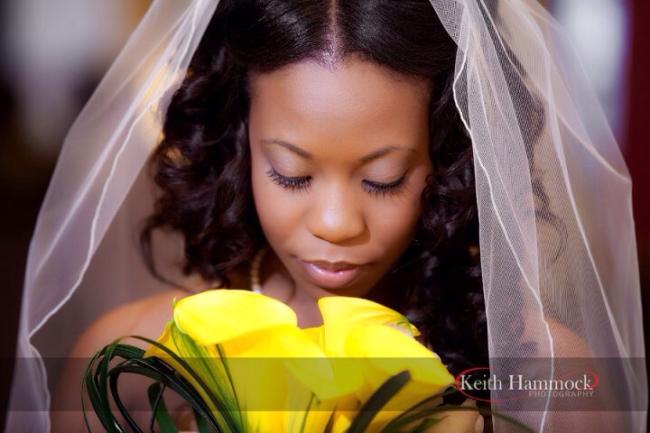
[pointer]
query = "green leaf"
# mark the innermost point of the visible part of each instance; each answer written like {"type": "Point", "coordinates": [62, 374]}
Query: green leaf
{"type": "Point", "coordinates": [224, 412]}
{"type": "Point", "coordinates": [156, 369]}
{"type": "Point", "coordinates": [98, 399]}
{"type": "Point", "coordinates": [414, 412]}
{"type": "Point", "coordinates": [303, 424]}
{"type": "Point", "coordinates": [161, 415]}
{"type": "Point", "coordinates": [201, 423]}
{"type": "Point", "coordinates": [120, 406]}
{"type": "Point", "coordinates": [378, 400]}
{"type": "Point", "coordinates": [226, 368]}
{"type": "Point", "coordinates": [98, 374]}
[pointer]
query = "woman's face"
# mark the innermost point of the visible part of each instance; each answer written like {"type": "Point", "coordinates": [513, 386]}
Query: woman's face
{"type": "Point", "coordinates": [339, 161]}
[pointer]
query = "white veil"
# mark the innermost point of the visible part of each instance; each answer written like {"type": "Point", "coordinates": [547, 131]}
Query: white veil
{"type": "Point", "coordinates": [553, 192]}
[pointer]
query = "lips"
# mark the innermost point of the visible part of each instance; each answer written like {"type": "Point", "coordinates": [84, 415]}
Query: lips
{"type": "Point", "coordinates": [333, 267]}
{"type": "Point", "coordinates": [330, 275]}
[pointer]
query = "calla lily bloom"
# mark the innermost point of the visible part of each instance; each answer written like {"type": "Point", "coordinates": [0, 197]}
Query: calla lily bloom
{"type": "Point", "coordinates": [340, 314]}
{"type": "Point", "coordinates": [215, 316]}
{"type": "Point", "coordinates": [248, 349]}
{"type": "Point", "coordinates": [388, 351]}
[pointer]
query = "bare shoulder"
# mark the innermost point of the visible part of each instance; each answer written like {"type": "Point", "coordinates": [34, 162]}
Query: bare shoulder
{"type": "Point", "coordinates": [566, 342]}
{"type": "Point", "coordinates": [145, 317]}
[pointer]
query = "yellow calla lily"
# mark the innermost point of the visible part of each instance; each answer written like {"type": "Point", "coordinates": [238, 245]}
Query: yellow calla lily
{"type": "Point", "coordinates": [166, 340]}
{"type": "Point", "coordinates": [204, 361]}
{"type": "Point", "coordinates": [342, 423]}
{"type": "Point", "coordinates": [248, 349]}
{"type": "Point", "coordinates": [169, 339]}
{"type": "Point", "coordinates": [296, 374]}
{"type": "Point", "coordinates": [315, 334]}
{"type": "Point", "coordinates": [340, 314]}
{"type": "Point", "coordinates": [285, 348]}
{"type": "Point", "coordinates": [388, 351]}
{"type": "Point", "coordinates": [347, 377]}
{"type": "Point", "coordinates": [258, 336]}
{"type": "Point", "coordinates": [219, 315]}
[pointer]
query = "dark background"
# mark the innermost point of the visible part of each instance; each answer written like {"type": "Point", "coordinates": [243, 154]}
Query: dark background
{"type": "Point", "coordinates": [25, 168]}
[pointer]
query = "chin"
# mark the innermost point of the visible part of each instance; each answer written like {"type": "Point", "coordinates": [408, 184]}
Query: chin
{"type": "Point", "coordinates": [358, 289]}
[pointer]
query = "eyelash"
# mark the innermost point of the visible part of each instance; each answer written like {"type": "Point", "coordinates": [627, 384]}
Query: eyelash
{"type": "Point", "coordinates": [301, 183]}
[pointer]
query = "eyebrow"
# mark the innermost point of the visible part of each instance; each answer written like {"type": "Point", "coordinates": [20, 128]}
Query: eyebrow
{"type": "Point", "coordinates": [364, 160]}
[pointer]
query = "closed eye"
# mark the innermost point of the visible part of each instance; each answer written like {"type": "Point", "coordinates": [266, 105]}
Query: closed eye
{"type": "Point", "coordinates": [301, 183]}
{"type": "Point", "coordinates": [382, 189]}
{"type": "Point", "coordinates": [296, 183]}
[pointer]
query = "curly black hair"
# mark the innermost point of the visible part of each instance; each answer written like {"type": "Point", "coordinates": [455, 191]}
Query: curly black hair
{"type": "Point", "coordinates": [202, 165]}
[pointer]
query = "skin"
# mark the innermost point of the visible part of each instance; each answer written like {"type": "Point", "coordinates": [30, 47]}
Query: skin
{"type": "Point", "coordinates": [339, 161]}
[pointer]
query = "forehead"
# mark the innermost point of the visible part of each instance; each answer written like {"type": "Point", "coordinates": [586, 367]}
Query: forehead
{"type": "Point", "coordinates": [309, 102]}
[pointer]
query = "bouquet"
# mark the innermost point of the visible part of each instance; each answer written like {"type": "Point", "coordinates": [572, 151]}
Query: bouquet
{"type": "Point", "coordinates": [241, 362]}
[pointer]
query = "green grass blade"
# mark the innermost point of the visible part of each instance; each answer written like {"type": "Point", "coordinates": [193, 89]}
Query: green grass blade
{"type": "Point", "coordinates": [411, 413]}
{"type": "Point", "coordinates": [95, 383]}
{"type": "Point", "coordinates": [160, 413]}
{"type": "Point", "coordinates": [120, 406]}
{"type": "Point", "coordinates": [303, 423]}
{"type": "Point", "coordinates": [226, 368]}
{"type": "Point", "coordinates": [214, 399]}
{"type": "Point", "coordinates": [98, 400]}
{"type": "Point", "coordinates": [378, 400]}
{"type": "Point", "coordinates": [171, 379]}
{"type": "Point", "coordinates": [225, 421]}
{"type": "Point", "coordinates": [227, 395]}
{"type": "Point", "coordinates": [201, 423]}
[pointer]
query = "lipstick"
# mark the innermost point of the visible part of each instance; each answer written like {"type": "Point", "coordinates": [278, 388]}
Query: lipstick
{"type": "Point", "coordinates": [330, 275]}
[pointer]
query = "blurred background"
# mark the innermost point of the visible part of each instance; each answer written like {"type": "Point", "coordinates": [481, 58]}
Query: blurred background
{"type": "Point", "coordinates": [54, 52]}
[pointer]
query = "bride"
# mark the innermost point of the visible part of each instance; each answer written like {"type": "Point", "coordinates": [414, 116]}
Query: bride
{"type": "Point", "coordinates": [419, 156]}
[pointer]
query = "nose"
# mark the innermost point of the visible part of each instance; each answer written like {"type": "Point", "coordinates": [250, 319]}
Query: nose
{"type": "Point", "coordinates": [336, 216]}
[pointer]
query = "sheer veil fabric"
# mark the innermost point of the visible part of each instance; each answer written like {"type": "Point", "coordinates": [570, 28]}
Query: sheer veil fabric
{"type": "Point", "coordinates": [557, 245]}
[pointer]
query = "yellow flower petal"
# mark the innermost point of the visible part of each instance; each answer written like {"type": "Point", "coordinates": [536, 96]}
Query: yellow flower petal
{"type": "Point", "coordinates": [303, 358]}
{"type": "Point", "coordinates": [391, 351]}
{"type": "Point", "coordinates": [387, 352]}
{"type": "Point", "coordinates": [341, 313]}
{"type": "Point", "coordinates": [342, 423]}
{"type": "Point", "coordinates": [315, 334]}
{"type": "Point", "coordinates": [164, 339]}
{"type": "Point", "coordinates": [265, 421]}
{"type": "Point", "coordinates": [277, 368]}
{"type": "Point", "coordinates": [263, 357]}
{"type": "Point", "coordinates": [215, 316]}
{"type": "Point", "coordinates": [204, 361]}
